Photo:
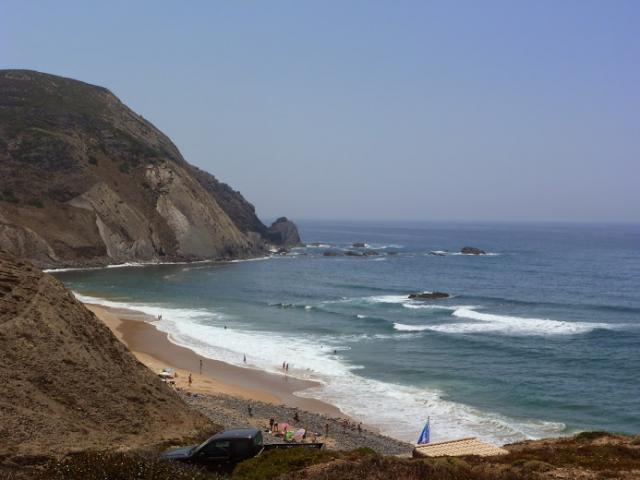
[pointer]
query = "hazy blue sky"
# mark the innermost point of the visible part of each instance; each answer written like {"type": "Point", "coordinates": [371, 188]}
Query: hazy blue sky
{"type": "Point", "coordinates": [423, 110]}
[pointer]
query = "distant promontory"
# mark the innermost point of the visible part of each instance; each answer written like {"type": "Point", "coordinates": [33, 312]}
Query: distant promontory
{"type": "Point", "coordinates": [84, 180]}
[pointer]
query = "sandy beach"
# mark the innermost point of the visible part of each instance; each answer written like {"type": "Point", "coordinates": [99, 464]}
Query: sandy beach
{"type": "Point", "coordinates": [156, 351]}
{"type": "Point", "coordinates": [232, 396]}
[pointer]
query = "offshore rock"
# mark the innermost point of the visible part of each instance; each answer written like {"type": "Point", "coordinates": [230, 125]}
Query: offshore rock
{"type": "Point", "coordinates": [472, 251]}
{"type": "Point", "coordinates": [428, 296]}
{"type": "Point", "coordinates": [283, 232]}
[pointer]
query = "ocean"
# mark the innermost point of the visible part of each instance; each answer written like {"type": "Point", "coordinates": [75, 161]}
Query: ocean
{"type": "Point", "coordinates": [540, 338]}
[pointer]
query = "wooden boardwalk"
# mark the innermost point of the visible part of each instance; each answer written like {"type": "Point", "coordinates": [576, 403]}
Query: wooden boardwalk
{"type": "Point", "coordinates": [458, 448]}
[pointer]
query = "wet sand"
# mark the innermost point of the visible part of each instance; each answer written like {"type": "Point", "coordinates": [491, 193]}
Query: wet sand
{"type": "Point", "coordinates": [153, 348]}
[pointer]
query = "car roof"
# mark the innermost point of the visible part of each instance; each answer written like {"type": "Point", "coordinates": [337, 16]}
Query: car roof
{"type": "Point", "coordinates": [236, 433]}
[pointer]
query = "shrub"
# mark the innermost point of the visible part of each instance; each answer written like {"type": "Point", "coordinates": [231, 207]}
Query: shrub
{"type": "Point", "coordinates": [8, 196]}
{"type": "Point", "coordinates": [120, 466]}
{"type": "Point", "coordinates": [536, 466]}
{"type": "Point", "coordinates": [590, 436]}
{"type": "Point", "coordinates": [124, 167]}
{"type": "Point", "coordinates": [276, 462]}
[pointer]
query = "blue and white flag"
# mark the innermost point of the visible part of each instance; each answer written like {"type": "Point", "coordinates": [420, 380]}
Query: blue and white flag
{"type": "Point", "coordinates": [424, 436]}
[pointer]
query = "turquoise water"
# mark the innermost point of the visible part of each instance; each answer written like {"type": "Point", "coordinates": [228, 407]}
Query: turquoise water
{"type": "Point", "coordinates": [540, 338]}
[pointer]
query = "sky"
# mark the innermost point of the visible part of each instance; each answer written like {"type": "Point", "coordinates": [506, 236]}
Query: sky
{"type": "Point", "coordinates": [372, 110]}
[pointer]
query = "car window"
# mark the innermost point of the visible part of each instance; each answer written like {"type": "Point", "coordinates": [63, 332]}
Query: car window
{"type": "Point", "coordinates": [219, 448]}
{"type": "Point", "coordinates": [257, 440]}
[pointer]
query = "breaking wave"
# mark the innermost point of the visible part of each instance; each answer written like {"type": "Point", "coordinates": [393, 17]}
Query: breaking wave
{"type": "Point", "coordinates": [509, 325]}
{"type": "Point", "coordinates": [401, 327]}
{"type": "Point", "coordinates": [398, 410]}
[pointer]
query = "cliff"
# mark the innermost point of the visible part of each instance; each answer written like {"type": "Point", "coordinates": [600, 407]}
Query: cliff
{"type": "Point", "coordinates": [86, 181]}
{"type": "Point", "coordinates": [68, 383]}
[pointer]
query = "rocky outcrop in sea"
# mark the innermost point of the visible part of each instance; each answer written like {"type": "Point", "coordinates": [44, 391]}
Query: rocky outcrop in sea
{"type": "Point", "coordinates": [283, 232]}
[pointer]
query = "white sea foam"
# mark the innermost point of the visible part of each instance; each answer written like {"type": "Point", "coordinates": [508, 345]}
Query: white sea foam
{"type": "Point", "coordinates": [505, 324]}
{"type": "Point", "coordinates": [410, 328]}
{"type": "Point", "coordinates": [500, 324]}
{"type": "Point", "coordinates": [396, 409]}
{"type": "Point", "coordinates": [384, 247]}
{"type": "Point", "coordinates": [69, 269]}
{"type": "Point", "coordinates": [428, 306]}
{"type": "Point", "coordinates": [488, 254]}
{"type": "Point", "coordinates": [387, 299]}
{"type": "Point", "coordinates": [255, 259]}
{"type": "Point", "coordinates": [125, 265]}
{"type": "Point", "coordinates": [484, 322]}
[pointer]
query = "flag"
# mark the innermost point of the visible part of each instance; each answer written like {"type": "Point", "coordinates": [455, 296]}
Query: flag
{"type": "Point", "coordinates": [424, 436]}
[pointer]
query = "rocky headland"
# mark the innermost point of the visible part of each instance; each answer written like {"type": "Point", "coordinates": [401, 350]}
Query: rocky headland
{"type": "Point", "coordinates": [84, 180]}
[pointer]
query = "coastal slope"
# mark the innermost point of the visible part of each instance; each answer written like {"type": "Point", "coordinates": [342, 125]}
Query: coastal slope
{"type": "Point", "coordinates": [68, 383]}
{"type": "Point", "coordinates": [84, 180]}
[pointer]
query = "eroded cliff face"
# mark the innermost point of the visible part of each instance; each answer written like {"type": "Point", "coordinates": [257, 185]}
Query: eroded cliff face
{"type": "Point", "coordinates": [86, 181]}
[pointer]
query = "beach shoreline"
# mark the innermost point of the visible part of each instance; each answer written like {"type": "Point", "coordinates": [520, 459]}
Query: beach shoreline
{"type": "Point", "coordinates": [233, 396]}
{"type": "Point", "coordinates": [154, 349]}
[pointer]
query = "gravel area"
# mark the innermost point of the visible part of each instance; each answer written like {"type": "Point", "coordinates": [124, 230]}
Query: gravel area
{"type": "Point", "coordinates": [231, 412]}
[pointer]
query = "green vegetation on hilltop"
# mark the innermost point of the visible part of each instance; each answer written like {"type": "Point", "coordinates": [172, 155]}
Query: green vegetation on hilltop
{"type": "Point", "coordinates": [587, 456]}
{"type": "Point", "coordinates": [275, 463]}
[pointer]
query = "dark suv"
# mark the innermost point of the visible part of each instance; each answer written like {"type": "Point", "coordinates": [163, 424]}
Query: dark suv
{"type": "Point", "coordinates": [230, 447]}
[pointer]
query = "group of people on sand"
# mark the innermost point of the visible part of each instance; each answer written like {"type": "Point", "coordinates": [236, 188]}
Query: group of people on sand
{"type": "Point", "coordinates": [281, 429]}
{"type": "Point", "coordinates": [349, 425]}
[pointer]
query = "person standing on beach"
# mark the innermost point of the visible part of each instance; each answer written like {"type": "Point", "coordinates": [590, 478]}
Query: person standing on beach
{"type": "Point", "coordinates": [244, 359]}
{"type": "Point", "coordinates": [190, 380]}
{"type": "Point", "coordinates": [200, 366]}
{"type": "Point", "coordinates": [271, 422]}
{"type": "Point", "coordinates": [250, 410]}
{"type": "Point", "coordinates": [283, 365]}
{"type": "Point", "coordinates": [326, 429]}
{"type": "Point", "coordinates": [286, 369]}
